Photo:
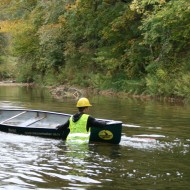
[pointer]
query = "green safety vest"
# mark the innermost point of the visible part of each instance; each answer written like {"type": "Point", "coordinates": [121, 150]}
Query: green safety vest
{"type": "Point", "coordinates": [80, 125]}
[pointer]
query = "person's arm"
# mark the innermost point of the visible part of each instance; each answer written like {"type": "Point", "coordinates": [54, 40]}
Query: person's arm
{"type": "Point", "coordinates": [92, 122]}
{"type": "Point", "coordinates": [63, 126]}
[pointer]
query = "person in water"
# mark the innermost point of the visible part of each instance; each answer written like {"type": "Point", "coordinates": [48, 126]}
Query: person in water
{"type": "Point", "coordinates": [81, 122]}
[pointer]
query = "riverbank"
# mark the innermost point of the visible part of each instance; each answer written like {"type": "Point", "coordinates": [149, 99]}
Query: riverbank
{"type": "Point", "coordinates": [66, 91]}
{"type": "Point", "coordinates": [13, 83]}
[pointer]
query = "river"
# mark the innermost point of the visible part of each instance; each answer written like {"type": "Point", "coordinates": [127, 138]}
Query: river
{"type": "Point", "coordinates": [154, 153]}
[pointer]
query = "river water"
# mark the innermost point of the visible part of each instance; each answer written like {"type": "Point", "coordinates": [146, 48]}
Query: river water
{"type": "Point", "coordinates": [154, 153]}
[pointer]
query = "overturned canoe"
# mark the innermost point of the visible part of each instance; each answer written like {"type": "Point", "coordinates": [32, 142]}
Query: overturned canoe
{"type": "Point", "coordinates": [44, 123]}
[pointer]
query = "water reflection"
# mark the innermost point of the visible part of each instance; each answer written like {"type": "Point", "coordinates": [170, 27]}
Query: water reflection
{"type": "Point", "coordinates": [33, 161]}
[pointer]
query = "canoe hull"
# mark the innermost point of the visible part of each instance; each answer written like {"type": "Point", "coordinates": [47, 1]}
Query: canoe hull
{"type": "Point", "coordinates": [111, 133]}
{"type": "Point", "coordinates": [49, 133]}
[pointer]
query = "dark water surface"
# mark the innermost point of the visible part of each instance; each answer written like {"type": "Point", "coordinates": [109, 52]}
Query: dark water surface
{"type": "Point", "coordinates": [154, 152]}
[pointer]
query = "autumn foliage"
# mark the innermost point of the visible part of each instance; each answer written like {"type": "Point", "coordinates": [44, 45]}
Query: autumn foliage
{"type": "Point", "coordinates": [135, 46]}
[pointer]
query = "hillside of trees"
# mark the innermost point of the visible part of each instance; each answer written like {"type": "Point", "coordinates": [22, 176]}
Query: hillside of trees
{"type": "Point", "coordinates": [134, 46]}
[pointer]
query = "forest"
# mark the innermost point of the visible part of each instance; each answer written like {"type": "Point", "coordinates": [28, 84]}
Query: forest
{"type": "Point", "coordinates": [134, 46]}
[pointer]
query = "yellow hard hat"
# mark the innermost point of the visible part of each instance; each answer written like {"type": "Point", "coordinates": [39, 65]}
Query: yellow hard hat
{"type": "Point", "coordinates": [83, 102]}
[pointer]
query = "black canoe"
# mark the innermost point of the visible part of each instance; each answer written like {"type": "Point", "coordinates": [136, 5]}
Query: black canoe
{"type": "Point", "coordinates": [44, 123]}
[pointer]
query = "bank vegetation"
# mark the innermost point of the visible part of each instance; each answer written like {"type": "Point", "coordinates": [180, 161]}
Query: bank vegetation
{"type": "Point", "coordinates": [139, 47]}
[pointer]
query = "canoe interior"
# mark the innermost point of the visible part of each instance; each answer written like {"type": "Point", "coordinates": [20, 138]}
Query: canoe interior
{"type": "Point", "coordinates": [33, 119]}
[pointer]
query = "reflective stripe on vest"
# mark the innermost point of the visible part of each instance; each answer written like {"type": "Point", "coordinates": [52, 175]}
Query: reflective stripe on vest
{"type": "Point", "coordinates": [80, 125]}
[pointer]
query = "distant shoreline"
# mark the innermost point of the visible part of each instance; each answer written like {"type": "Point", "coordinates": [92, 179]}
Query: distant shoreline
{"type": "Point", "coordinates": [103, 93]}
{"type": "Point", "coordinates": [12, 83]}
